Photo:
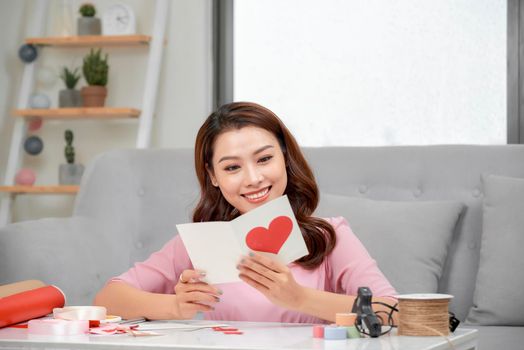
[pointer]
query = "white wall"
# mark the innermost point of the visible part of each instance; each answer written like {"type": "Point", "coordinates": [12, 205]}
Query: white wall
{"type": "Point", "coordinates": [184, 98]}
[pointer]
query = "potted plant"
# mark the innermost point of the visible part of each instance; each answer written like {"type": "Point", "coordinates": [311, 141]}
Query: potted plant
{"type": "Point", "coordinates": [70, 97]}
{"type": "Point", "coordinates": [88, 24]}
{"type": "Point", "coordinates": [70, 173]}
{"type": "Point", "coordinates": [95, 69]}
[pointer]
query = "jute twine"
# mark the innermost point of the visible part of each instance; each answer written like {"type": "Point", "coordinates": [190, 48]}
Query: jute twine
{"type": "Point", "coordinates": [423, 317]}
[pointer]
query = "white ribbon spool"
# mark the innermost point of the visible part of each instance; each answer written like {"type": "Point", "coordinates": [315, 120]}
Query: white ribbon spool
{"type": "Point", "coordinates": [57, 327]}
{"type": "Point", "coordinates": [88, 313]}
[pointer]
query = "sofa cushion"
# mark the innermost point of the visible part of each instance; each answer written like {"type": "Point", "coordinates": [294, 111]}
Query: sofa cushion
{"type": "Point", "coordinates": [498, 294]}
{"type": "Point", "coordinates": [499, 338]}
{"type": "Point", "coordinates": [409, 240]}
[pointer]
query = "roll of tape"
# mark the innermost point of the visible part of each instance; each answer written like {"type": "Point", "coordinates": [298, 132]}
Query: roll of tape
{"type": "Point", "coordinates": [57, 327]}
{"type": "Point", "coordinates": [346, 319]}
{"type": "Point", "coordinates": [318, 331]}
{"type": "Point", "coordinates": [89, 313]}
{"type": "Point", "coordinates": [335, 333]}
{"type": "Point", "coordinates": [353, 332]}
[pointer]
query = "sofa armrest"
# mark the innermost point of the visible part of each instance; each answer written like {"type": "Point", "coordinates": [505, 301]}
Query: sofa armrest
{"type": "Point", "coordinates": [75, 254]}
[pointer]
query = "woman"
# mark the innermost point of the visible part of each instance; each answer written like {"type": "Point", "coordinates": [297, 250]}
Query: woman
{"type": "Point", "coordinates": [245, 157]}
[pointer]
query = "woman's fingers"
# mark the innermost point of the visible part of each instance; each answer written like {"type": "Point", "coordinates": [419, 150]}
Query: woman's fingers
{"type": "Point", "coordinates": [197, 287]}
{"type": "Point", "coordinates": [269, 263]}
{"type": "Point", "coordinates": [246, 265]}
{"type": "Point", "coordinates": [188, 276]}
{"type": "Point", "coordinates": [253, 282]}
{"type": "Point", "coordinates": [193, 294]}
{"type": "Point", "coordinates": [198, 297]}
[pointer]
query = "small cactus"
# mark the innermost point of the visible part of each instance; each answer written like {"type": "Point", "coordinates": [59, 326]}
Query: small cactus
{"type": "Point", "coordinates": [87, 10]}
{"type": "Point", "coordinates": [70, 77]}
{"type": "Point", "coordinates": [69, 149]}
{"type": "Point", "coordinates": [95, 68]}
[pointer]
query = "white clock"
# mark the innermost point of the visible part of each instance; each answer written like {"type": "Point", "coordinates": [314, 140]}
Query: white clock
{"type": "Point", "coordinates": [118, 19]}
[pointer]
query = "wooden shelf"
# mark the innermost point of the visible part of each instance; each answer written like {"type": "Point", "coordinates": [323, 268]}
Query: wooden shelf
{"type": "Point", "coordinates": [58, 189]}
{"type": "Point", "coordinates": [78, 113]}
{"type": "Point", "coordinates": [91, 40]}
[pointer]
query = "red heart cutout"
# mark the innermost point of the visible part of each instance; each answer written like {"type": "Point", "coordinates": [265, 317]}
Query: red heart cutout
{"type": "Point", "coordinates": [272, 239]}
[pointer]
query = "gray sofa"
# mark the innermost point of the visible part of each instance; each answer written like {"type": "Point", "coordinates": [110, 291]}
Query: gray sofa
{"type": "Point", "coordinates": [442, 219]}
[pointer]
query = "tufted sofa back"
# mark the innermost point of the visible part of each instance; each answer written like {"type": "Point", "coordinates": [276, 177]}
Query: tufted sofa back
{"type": "Point", "coordinates": [422, 173]}
{"type": "Point", "coordinates": [140, 195]}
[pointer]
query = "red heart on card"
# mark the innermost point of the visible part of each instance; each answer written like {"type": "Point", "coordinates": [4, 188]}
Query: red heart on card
{"type": "Point", "coordinates": [270, 239]}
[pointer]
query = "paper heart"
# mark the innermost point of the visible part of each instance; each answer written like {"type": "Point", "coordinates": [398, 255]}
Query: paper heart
{"type": "Point", "coordinates": [270, 239]}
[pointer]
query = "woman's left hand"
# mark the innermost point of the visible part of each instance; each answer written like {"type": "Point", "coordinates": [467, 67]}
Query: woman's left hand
{"type": "Point", "coordinates": [271, 278]}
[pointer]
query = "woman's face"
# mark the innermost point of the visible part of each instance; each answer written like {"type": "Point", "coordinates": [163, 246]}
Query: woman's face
{"type": "Point", "coordinates": [248, 167]}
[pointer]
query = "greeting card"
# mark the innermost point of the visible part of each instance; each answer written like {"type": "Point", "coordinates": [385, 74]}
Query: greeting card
{"type": "Point", "coordinates": [216, 247]}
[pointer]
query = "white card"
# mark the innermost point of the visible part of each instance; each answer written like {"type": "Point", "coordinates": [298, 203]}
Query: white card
{"type": "Point", "coordinates": [216, 247]}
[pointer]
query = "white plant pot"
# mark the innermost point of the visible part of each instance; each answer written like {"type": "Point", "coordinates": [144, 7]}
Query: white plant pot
{"type": "Point", "coordinates": [70, 174]}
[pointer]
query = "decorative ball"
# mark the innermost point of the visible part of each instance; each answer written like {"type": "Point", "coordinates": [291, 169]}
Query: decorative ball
{"type": "Point", "coordinates": [46, 77]}
{"type": "Point", "coordinates": [35, 124]}
{"type": "Point", "coordinates": [39, 101]}
{"type": "Point", "coordinates": [27, 53]}
{"type": "Point", "coordinates": [33, 145]}
{"type": "Point", "coordinates": [25, 177]}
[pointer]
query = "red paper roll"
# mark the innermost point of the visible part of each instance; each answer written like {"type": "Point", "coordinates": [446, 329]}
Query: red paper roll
{"type": "Point", "coordinates": [30, 304]}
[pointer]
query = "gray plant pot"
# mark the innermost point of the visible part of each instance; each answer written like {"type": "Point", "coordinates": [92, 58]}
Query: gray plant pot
{"type": "Point", "coordinates": [69, 98]}
{"type": "Point", "coordinates": [70, 174]}
{"type": "Point", "coordinates": [89, 26]}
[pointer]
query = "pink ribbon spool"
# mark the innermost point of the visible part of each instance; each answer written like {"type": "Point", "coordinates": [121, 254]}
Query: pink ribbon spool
{"type": "Point", "coordinates": [57, 327]}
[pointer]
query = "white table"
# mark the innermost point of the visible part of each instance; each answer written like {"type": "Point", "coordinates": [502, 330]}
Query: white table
{"type": "Point", "coordinates": [256, 336]}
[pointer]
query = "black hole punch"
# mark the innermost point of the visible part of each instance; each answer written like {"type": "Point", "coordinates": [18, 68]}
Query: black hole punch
{"type": "Point", "coordinates": [367, 321]}
{"type": "Point", "coordinates": [453, 322]}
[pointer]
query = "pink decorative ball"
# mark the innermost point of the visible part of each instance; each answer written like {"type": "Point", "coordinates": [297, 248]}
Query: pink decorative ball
{"type": "Point", "coordinates": [25, 177]}
{"type": "Point", "coordinates": [35, 124]}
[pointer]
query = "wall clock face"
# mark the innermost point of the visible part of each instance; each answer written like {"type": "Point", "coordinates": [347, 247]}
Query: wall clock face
{"type": "Point", "coordinates": [118, 19]}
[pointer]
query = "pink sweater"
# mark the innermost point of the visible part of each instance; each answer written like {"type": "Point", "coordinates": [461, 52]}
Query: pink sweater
{"type": "Point", "coordinates": [348, 267]}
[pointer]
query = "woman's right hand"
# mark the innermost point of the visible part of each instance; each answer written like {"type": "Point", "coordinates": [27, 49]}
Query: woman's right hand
{"type": "Point", "coordinates": [194, 295]}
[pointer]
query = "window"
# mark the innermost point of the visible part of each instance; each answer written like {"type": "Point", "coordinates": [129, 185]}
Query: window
{"type": "Point", "coordinates": [376, 72]}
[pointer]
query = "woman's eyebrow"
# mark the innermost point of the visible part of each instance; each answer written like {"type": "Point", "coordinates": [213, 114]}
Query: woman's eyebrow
{"type": "Point", "coordinates": [261, 149]}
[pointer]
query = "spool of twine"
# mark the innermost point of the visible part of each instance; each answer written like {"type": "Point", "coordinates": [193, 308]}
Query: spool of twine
{"type": "Point", "coordinates": [423, 314]}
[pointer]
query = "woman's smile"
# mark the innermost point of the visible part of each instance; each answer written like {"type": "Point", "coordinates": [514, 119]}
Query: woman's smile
{"type": "Point", "coordinates": [257, 196]}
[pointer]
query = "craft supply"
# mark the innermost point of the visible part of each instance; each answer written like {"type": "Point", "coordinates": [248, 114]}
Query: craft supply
{"type": "Point", "coordinates": [133, 321]}
{"type": "Point", "coordinates": [318, 331]}
{"type": "Point", "coordinates": [57, 327]}
{"type": "Point", "coordinates": [112, 319]}
{"type": "Point", "coordinates": [18, 287]}
{"type": "Point", "coordinates": [225, 329]}
{"type": "Point", "coordinates": [423, 314]}
{"type": "Point", "coordinates": [346, 319]}
{"type": "Point", "coordinates": [30, 304]}
{"type": "Point", "coordinates": [90, 313]}
{"type": "Point", "coordinates": [113, 328]}
{"type": "Point", "coordinates": [335, 333]}
{"type": "Point", "coordinates": [352, 332]}
{"type": "Point", "coordinates": [163, 325]}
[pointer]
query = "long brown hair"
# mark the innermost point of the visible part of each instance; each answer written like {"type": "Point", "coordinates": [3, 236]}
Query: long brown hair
{"type": "Point", "coordinates": [301, 188]}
